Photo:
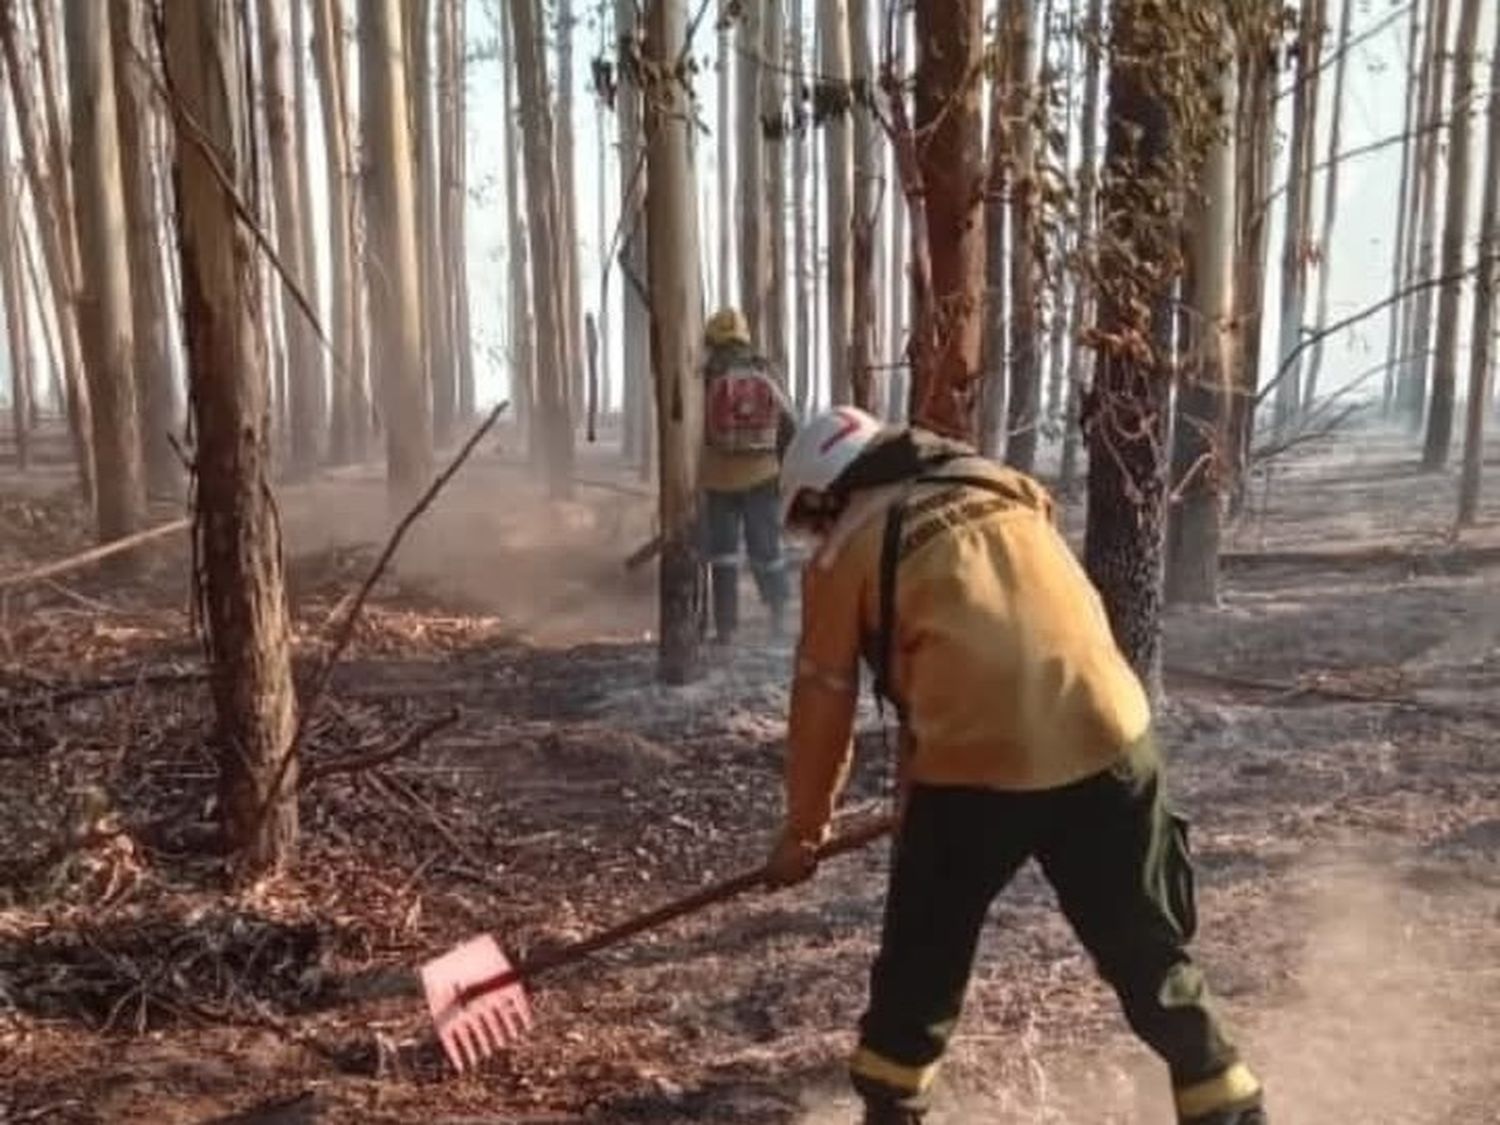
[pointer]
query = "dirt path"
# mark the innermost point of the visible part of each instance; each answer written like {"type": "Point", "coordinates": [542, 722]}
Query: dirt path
{"type": "Point", "coordinates": [1349, 852]}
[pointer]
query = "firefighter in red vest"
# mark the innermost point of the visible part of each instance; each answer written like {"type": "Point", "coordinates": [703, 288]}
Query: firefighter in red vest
{"type": "Point", "coordinates": [747, 420]}
{"type": "Point", "coordinates": [1024, 734]}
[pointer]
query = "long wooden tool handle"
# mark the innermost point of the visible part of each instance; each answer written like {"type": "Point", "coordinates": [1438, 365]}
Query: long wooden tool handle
{"type": "Point", "coordinates": [849, 841]}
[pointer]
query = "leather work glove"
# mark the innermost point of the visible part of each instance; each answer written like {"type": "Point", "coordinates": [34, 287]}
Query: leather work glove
{"type": "Point", "coordinates": [791, 861]}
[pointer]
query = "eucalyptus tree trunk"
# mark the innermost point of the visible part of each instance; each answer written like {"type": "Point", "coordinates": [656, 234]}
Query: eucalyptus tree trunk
{"type": "Point", "coordinates": [17, 324]}
{"type": "Point", "coordinates": [104, 310]}
{"type": "Point", "coordinates": [636, 373]}
{"type": "Point", "coordinates": [838, 167]}
{"type": "Point", "coordinates": [48, 176]}
{"type": "Point", "coordinates": [455, 225]}
{"type": "Point", "coordinates": [804, 301]}
{"type": "Point", "coordinates": [950, 160]}
{"type": "Point", "coordinates": [773, 111]}
{"type": "Point", "coordinates": [676, 328]}
{"type": "Point", "coordinates": [391, 240]}
{"type": "Point", "coordinates": [1027, 250]}
{"type": "Point", "coordinates": [750, 173]}
{"type": "Point", "coordinates": [347, 431]}
{"type": "Point", "coordinates": [1200, 445]}
{"type": "Point", "coordinates": [156, 394]}
{"type": "Point", "coordinates": [1482, 355]}
{"type": "Point", "coordinates": [863, 217]}
{"type": "Point", "coordinates": [1298, 228]}
{"type": "Point", "coordinates": [899, 295]}
{"type": "Point", "coordinates": [567, 202]}
{"type": "Point", "coordinates": [1439, 439]}
{"type": "Point", "coordinates": [1405, 201]}
{"type": "Point", "coordinates": [1082, 360]}
{"type": "Point", "coordinates": [521, 326]}
{"type": "Point", "coordinates": [1330, 201]}
{"type": "Point", "coordinates": [548, 270]}
{"type": "Point", "coordinates": [317, 358]}
{"type": "Point", "coordinates": [240, 588]}
{"type": "Point", "coordinates": [304, 370]}
{"type": "Point", "coordinates": [725, 152]}
{"type": "Point", "coordinates": [995, 393]}
{"type": "Point", "coordinates": [1412, 393]}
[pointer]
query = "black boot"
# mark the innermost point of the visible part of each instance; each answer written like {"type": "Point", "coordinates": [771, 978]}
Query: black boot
{"type": "Point", "coordinates": [726, 597]}
{"type": "Point", "coordinates": [1249, 1115]}
{"type": "Point", "coordinates": [887, 1113]}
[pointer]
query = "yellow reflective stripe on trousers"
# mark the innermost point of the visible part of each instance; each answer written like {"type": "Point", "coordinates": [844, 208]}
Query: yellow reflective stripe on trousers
{"type": "Point", "coordinates": [910, 1079]}
{"type": "Point", "coordinates": [1235, 1085]}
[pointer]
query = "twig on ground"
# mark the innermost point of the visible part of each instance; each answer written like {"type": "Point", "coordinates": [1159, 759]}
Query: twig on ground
{"type": "Point", "coordinates": [319, 684]}
{"type": "Point", "coordinates": [1336, 694]}
{"type": "Point", "coordinates": [355, 763]}
{"type": "Point", "coordinates": [166, 678]}
{"type": "Point", "coordinates": [92, 555]}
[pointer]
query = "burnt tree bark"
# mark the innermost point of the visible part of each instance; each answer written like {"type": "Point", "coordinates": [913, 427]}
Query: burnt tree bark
{"type": "Point", "coordinates": [946, 373]}
{"type": "Point", "coordinates": [453, 176]}
{"type": "Point", "coordinates": [750, 175]}
{"type": "Point", "coordinates": [104, 310]}
{"type": "Point", "coordinates": [772, 114]}
{"type": "Point", "coordinates": [863, 213]}
{"type": "Point", "coordinates": [520, 325]}
{"type": "Point", "coordinates": [240, 587]}
{"type": "Point", "coordinates": [995, 394]}
{"type": "Point", "coordinates": [1330, 201]}
{"type": "Point", "coordinates": [1406, 197]}
{"type": "Point", "coordinates": [1024, 409]}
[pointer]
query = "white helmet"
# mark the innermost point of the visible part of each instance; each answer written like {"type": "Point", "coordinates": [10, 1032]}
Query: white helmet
{"type": "Point", "coordinates": [823, 449]}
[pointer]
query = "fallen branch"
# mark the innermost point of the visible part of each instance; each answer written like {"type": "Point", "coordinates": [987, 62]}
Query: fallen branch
{"type": "Point", "coordinates": [644, 553]}
{"type": "Point", "coordinates": [166, 678]}
{"type": "Point", "coordinates": [92, 555]}
{"type": "Point", "coordinates": [1335, 694]}
{"type": "Point", "coordinates": [355, 763]}
{"type": "Point", "coordinates": [310, 698]}
{"type": "Point", "coordinates": [1381, 554]}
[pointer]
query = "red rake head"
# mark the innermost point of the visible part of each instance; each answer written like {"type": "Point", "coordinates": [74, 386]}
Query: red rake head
{"type": "Point", "coordinates": [476, 1002]}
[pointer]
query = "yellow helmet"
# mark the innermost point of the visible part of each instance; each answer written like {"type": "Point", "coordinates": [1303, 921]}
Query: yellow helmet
{"type": "Point", "coordinates": [727, 326]}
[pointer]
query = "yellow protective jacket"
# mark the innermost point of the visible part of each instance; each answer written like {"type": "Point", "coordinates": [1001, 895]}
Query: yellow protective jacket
{"type": "Point", "coordinates": [1001, 657]}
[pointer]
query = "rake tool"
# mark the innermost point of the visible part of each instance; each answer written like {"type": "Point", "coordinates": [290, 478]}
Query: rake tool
{"type": "Point", "coordinates": [476, 996]}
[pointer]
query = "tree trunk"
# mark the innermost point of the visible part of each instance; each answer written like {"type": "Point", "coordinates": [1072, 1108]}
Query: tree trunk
{"type": "Point", "coordinates": [1330, 202]}
{"type": "Point", "coordinates": [995, 394]}
{"type": "Point", "coordinates": [1026, 259]}
{"type": "Point", "coordinates": [1056, 149]}
{"type": "Point", "coordinates": [1405, 200]}
{"type": "Point", "coordinates": [1124, 415]}
{"type": "Point", "coordinates": [899, 296]}
{"type": "Point", "coordinates": [773, 112]}
{"type": "Point", "coordinates": [548, 289]}
{"type": "Point", "coordinates": [104, 298]}
{"type": "Point", "coordinates": [1298, 230]}
{"type": "Point", "coordinates": [52, 207]}
{"type": "Point", "coordinates": [1412, 396]}
{"type": "Point", "coordinates": [725, 173]}
{"type": "Point", "coordinates": [46, 328]}
{"type": "Point", "coordinates": [328, 56]}
{"type": "Point", "coordinates": [520, 349]}
{"type": "Point", "coordinates": [156, 395]}
{"type": "Point", "coordinates": [1455, 232]}
{"type": "Point", "coordinates": [863, 217]}
{"type": "Point", "coordinates": [946, 371]}
{"type": "Point", "coordinates": [1482, 357]}
{"type": "Point", "coordinates": [18, 329]}
{"type": "Point", "coordinates": [676, 326]}
{"type": "Point", "coordinates": [392, 271]}
{"type": "Point", "coordinates": [241, 590]}
{"type": "Point", "coordinates": [455, 226]}
{"type": "Point", "coordinates": [317, 352]}
{"type": "Point", "coordinates": [431, 235]}
{"type": "Point", "coordinates": [1200, 445]}
{"type": "Point", "coordinates": [838, 167]}
{"type": "Point", "coordinates": [1082, 361]}
{"type": "Point", "coordinates": [804, 301]}
{"type": "Point", "coordinates": [293, 232]}
{"type": "Point", "coordinates": [637, 354]}
{"type": "Point", "coordinates": [567, 211]}
{"type": "Point", "coordinates": [1258, 35]}
{"type": "Point", "coordinates": [750, 172]}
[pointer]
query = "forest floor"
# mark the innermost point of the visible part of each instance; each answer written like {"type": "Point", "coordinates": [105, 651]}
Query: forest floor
{"type": "Point", "coordinates": [1333, 730]}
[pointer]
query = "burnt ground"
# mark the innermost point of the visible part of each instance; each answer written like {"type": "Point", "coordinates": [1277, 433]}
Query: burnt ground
{"type": "Point", "coordinates": [1332, 730]}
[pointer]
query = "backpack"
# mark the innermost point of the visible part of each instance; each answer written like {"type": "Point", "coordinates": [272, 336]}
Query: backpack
{"type": "Point", "coordinates": [743, 410]}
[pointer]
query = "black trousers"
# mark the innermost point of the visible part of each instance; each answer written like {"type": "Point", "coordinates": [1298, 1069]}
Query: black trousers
{"type": "Point", "coordinates": [1118, 859]}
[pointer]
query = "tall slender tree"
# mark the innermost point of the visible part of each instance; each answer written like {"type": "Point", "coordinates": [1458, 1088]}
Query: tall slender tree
{"type": "Point", "coordinates": [1482, 355]}
{"type": "Point", "coordinates": [1027, 251]}
{"type": "Point", "coordinates": [304, 402]}
{"type": "Point", "coordinates": [1200, 445]}
{"type": "Point", "coordinates": [676, 325]}
{"type": "Point", "coordinates": [1297, 231]}
{"type": "Point", "coordinates": [633, 288]}
{"type": "Point", "coordinates": [772, 116]}
{"type": "Point", "coordinates": [318, 357]}
{"type": "Point", "coordinates": [18, 335]}
{"type": "Point", "coordinates": [567, 204]}
{"type": "Point", "coordinates": [105, 326]}
{"type": "Point", "coordinates": [520, 327]}
{"type": "Point", "coordinates": [455, 196]}
{"type": "Point", "coordinates": [995, 395]}
{"type": "Point", "coordinates": [1330, 200]}
{"type": "Point", "coordinates": [750, 210]}
{"type": "Point", "coordinates": [391, 240]}
{"type": "Point", "coordinates": [833, 99]}
{"type": "Point", "coordinates": [1404, 205]}
{"type": "Point", "coordinates": [804, 301]}
{"type": "Point", "coordinates": [156, 392]}
{"type": "Point", "coordinates": [1455, 233]}
{"type": "Point", "coordinates": [950, 159]}
{"type": "Point", "coordinates": [863, 216]}
{"type": "Point", "coordinates": [548, 280]}
{"type": "Point", "coordinates": [725, 180]}
{"type": "Point", "coordinates": [240, 587]}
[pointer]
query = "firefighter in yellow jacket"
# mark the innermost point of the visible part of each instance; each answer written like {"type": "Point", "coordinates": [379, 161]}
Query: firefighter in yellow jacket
{"type": "Point", "coordinates": [1024, 733]}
